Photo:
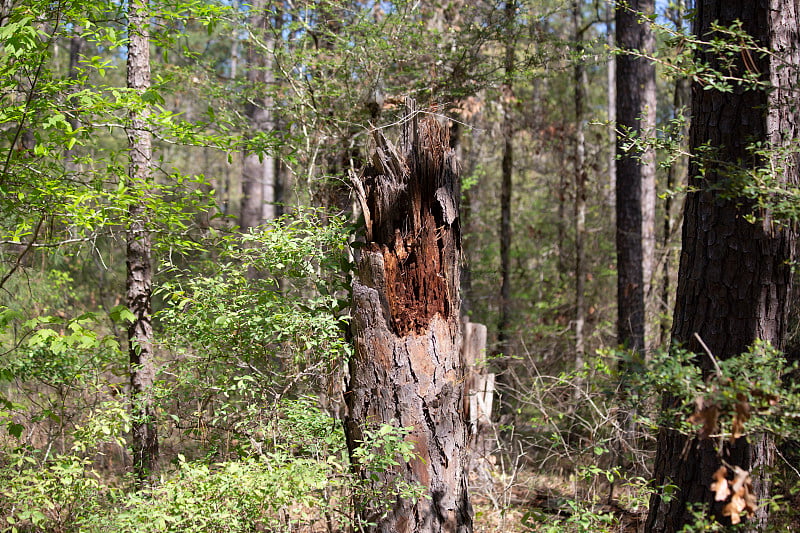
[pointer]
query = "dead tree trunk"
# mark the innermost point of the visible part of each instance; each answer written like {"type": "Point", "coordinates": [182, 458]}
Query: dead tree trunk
{"type": "Point", "coordinates": [407, 369]}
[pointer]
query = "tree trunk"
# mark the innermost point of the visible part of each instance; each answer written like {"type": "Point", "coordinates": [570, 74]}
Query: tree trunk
{"type": "Point", "coordinates": [580, 189]}
{"type": "Point", "coordinates": [676, 177]}
{"type": "Point", "coordinates": [612, 105]}
{"type": "Point", "coordinates": [5, 11]}
{"type": "Point", "coordinates": [635, 198]}
{"type": "Point", "coordinates": [258, 168]}
{"type": "Point", "coordinates": [735, 276]}
{"type": "Point", "coordinates": [407, 369]}
{"type": "Point", "coordinates": [139, 271]}
{"type": "Point", "coordinates": [507, 92]}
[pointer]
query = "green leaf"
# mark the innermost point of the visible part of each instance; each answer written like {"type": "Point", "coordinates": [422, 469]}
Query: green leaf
{"type": "Point", "coordinates": [15, 429]}
{"type": "Point", "coordinates": [121, 313]}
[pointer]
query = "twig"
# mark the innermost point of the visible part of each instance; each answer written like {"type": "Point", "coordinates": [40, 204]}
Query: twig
{"type": "Point", "coordinates": [710, 355]}
{"type": "Point", "coordinates": [23, 253]}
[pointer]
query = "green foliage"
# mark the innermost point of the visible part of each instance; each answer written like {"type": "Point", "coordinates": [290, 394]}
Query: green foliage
{"type": "Point", "coordinates": [743, 394]}
{"type": "Point", "coordinates": [580, 518]}
{"type": "Point", "coordinates": [236, 496]}
{"type": "Point", "coordinates": [263, 320]}
{"type": "Point", "coordinates": [384, 447]}
{"type": "Point", "coordinates": [303, 480]}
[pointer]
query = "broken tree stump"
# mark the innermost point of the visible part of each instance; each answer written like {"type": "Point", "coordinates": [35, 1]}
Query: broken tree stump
{"type": "Point", "coordinates": [407, 369]}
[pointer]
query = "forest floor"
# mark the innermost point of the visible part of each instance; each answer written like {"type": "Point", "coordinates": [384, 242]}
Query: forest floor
{"type": "Point", "coordinates": [529, 502]}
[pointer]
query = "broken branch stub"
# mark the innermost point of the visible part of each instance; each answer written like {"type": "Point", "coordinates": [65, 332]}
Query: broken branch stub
{"type": "Point", "coordinates": [407, 369]}
{"type": "Point", "coordinates": [412, 195]}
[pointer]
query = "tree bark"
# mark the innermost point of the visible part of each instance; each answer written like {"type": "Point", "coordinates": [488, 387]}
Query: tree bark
{"type": "Point", "coordinates": [507, 165]}
{"type": "Point", "coordinates": [611, 105]}
{"type": "Point", "coordinates": [259, 168]}
{"type": "Point", "coordinates": [580, 81]}
{"type": "Point", "coordinates": [635, 198]}
{"type": "Point", "coordinates": [139, 270]}
{"type": "Point", "coordinates": [407, 369]}
{"type": "Point", "coordinates": [677, 176]}
{"type": "Point", "coordinates": [735, 276]}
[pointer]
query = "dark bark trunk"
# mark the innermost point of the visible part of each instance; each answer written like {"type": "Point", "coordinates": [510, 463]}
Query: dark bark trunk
{"type": "Point", "coordinates": [407, 369]}
{"type": "Point", "coordinates": [635, 197]}
{"type": "Point", "coordinates": [139, 270]}
{"type": "Point", "coordinates": [735, 276]}
{"type": "Point", "coordinates": [507, 167]}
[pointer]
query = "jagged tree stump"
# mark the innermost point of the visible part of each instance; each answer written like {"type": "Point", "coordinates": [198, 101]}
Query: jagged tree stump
{"type": "Point", "coordinates": [407, 369]}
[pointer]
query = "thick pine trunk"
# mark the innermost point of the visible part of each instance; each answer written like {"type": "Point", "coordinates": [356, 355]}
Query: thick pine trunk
{"type": "Point", "coordinates": [407, 369]}
{"type": "Point", "coordinates": [735, 276]}
{"type": "Point", "coordinates": [635, 197]}
{"type": "Point", "coordinates": [139, 270]}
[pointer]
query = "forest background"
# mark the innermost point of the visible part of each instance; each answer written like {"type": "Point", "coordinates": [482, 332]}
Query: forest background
{"type": "Point", "coordinates": [181, 222]}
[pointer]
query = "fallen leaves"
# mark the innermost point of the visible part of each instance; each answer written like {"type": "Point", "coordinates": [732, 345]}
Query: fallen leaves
{"type": "Point", "coordinates": [738, 492]}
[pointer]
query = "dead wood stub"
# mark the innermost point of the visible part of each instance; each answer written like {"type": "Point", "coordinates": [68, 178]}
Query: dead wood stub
{"type": "Point", "coordinates": [407, 369]}
{"type": "Point", "coordinates": [413, 222]}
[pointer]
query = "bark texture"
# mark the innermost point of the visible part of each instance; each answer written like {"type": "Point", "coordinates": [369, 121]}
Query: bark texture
{"type": "Point", "coordinates": [635, 196]}
{"type": "Point", "coordinates": [407, 369]}
{"type": "Point", "coordinates": [734, 277]}
{"type": "Point", "coordinates": [139, 270]}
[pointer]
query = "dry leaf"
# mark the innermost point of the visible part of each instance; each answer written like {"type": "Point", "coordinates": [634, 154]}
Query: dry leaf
{"type": "Point", "coordinates": [720, 486]}
{"type": "Point", "coordinates": [705, 415]}
{"type": "Point", "coordinates": [743, 501]}
{"type": "Point", "coordinates": [734, 509]}
{"type": "Point", "coordinates": [742, 415]}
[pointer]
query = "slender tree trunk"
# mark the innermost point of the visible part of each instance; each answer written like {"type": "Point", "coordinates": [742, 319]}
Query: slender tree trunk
{"type": "Point", "coordinates": [139, 276]}
{"type": "Point", "coordinates": [505, 195]}
{"type": "Point", "coordinates": [612, 106]}
{"type": "Point", "coordinates": [635, 198]}
{"type": "Point", "coordinates": [580, 189]}
{"type": "Point", "coordinates": [676, 176]}
{"type": "Point", "coordinates": [258, 169]}
{"type": "Point", "coordinates": [76, 43]}
{"type": "Point", "coordinates": [407, 370]}
{"type": "Point", "coordinates": [735, 276]}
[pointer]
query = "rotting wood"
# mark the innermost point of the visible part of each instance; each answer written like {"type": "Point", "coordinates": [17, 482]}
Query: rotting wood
{"type": "Point", "coordinates": [407, 369]}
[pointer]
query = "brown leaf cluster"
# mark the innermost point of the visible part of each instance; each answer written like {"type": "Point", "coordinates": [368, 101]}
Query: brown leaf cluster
{"type": "Point", "coordinates": [738, 492]}
{"type": "Point", "coordinates": [706, 415]}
